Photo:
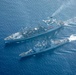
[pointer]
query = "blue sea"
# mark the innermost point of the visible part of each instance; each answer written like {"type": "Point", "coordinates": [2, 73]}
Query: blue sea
{"type": "Point", "coordinates": [17, 14]}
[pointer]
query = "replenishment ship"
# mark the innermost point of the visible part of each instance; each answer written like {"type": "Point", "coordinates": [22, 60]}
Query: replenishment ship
{"type": "Point", "coordinates": [52, 28]}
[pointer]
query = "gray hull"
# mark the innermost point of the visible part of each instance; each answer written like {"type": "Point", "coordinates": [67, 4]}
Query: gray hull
{"type": "Point", "coordinates": [52, 33]}
{"type": "Point", "coordinates": [47, 49]}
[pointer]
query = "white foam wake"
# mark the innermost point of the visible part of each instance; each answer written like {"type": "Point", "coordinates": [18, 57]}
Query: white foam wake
{"type": "Point", "coordinates": [71, 21]}
{"type": "Point", "coordinates": [72, 37]}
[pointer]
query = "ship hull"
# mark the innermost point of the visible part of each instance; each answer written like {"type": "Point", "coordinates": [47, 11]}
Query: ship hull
{"type": "Point", "coordinates": [50, 48]}
{"type": "Point", "coordinates": [52, 33]}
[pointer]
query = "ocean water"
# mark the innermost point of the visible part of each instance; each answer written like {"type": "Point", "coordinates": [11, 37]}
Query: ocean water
{"type": "Point", "coordinates": [17, 14]}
